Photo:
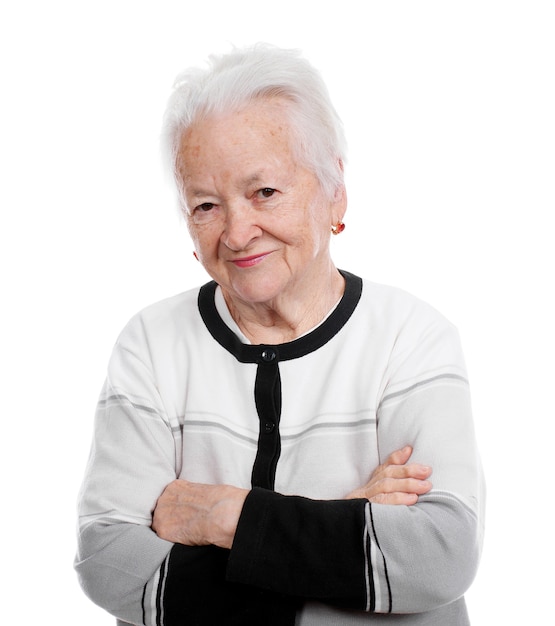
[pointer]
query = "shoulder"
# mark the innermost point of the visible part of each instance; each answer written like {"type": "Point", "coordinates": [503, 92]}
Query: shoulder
{"type": "Point", "coordinates": [395, 306]}
{"type": "Point", "coordinates": [416, 336]}
{"type": "Point", "coordinates": [405, 324]}
{"type": "Point", "coordinates": [167, 319]}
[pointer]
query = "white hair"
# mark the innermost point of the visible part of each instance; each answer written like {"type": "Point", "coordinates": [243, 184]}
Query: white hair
{"type": "Point", "coordinates": [234, 80]}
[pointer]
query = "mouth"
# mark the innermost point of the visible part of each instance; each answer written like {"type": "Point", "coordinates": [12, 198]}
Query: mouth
{"type": "Point", "coordinates": [250, 261]}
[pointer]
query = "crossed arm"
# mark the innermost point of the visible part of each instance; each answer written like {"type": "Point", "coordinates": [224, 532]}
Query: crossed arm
{"type": "Point", "coordinates": [196, 514]}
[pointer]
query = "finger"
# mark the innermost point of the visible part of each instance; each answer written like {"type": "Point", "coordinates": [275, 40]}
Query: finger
{"type": "Point", "coordinates": [412, 470]}
{"type": "Point", "coordinates": [398, 457]}
{"type": "Point", "coordinates": [393, 485]}
{"type": "Point", "coordinates": [396, 498]}
{"type": "Point", "coordinates": [373, 491]}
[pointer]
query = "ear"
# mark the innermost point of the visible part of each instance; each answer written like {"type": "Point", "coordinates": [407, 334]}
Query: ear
{"type": "Point", "coordinates": [339, 203]}
{"type": "Point", "coordinates": [340, 196]}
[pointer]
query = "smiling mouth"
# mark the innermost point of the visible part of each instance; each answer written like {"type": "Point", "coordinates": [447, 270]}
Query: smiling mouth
{"type": "Point", "coordinates": [250, 261]}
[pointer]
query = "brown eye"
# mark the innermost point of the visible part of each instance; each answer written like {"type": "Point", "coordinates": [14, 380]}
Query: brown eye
{"type": "Point", "coordinates": [205, 212]}
{"type": "Point", "coordinates": [204, 207]}
{"type": "Point", "coordinates": [267, 192]}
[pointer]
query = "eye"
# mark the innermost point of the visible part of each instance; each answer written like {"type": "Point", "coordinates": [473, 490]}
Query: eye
{"type": "Point", "coordinates": [205, 212]}
{"type": "Point", "coordinates": [204, 207]}
{"type": "Point", "coordinates": [267, 192]}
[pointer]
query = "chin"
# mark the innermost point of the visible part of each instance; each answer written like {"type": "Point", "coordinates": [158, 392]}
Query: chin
{"type": "Point", "coordinates": [256, 290]}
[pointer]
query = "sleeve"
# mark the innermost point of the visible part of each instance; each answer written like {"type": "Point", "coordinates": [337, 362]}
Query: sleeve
{"type": "Point", "coordinates": [119, 558]}
{"type": "Point", "coordinates": [122, 565]}
{"type": "Point", "coordinates": [427, 555]}
{"type": "Point", "coordinates": [384, 558]}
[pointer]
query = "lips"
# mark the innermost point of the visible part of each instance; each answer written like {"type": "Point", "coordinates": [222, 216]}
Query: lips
{"type": "Point", "coordinates": [250, 261]}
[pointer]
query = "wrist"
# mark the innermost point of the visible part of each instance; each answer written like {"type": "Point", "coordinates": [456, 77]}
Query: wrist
{"type": "Point", "coordinates": [224, 515]}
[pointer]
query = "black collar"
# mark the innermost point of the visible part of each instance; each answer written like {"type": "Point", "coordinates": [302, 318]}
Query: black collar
{"type": "Point", "coordinates": [263, 353]}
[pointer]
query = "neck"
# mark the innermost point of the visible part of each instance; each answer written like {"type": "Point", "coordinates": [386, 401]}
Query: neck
{"type": "Point", "coordinates": [288, 316]}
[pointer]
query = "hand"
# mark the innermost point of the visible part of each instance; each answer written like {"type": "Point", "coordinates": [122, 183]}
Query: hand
{"type": "Point", "coordinates": [197, 515]}
{"type": "Point", "coordinates": [395, 482]}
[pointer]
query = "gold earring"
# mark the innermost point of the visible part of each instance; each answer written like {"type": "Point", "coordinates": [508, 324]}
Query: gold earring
{"type": "Point", "coordinates": [338, 228]}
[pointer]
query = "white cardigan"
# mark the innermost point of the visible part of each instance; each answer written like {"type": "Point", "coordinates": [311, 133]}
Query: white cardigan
{"type": "Point", "coordinates": [381, 371]}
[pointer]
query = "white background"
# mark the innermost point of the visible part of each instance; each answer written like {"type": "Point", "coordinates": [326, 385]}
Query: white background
{"type": "Point", "coordinates": [449, 111]}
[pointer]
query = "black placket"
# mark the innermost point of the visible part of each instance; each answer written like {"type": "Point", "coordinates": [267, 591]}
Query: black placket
{"type": "Point", "coordinates": [267, 388]}
{"type": "Point", "coordinates": [267, 397]}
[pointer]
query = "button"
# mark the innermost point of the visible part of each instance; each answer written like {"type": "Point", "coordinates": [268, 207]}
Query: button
{"type": "Point", "coordinates": [269, 427]}
{"type": "Point", "coordinates": [268, 355]}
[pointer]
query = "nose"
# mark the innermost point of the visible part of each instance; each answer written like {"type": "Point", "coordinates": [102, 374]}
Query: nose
{"type": "Point", "coordinates": [240, 228]}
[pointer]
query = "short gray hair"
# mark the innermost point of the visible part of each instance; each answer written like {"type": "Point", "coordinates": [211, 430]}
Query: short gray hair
{"type": "Point", "coordinates": [235, 79]}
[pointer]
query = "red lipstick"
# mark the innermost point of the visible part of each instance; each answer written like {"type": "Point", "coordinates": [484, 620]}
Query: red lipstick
{"type": "Point", "coordinates": [250, 261]}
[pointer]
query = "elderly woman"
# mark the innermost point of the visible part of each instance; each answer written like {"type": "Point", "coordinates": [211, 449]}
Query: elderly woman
{"type": "Point", "coordinates": [263, 444]}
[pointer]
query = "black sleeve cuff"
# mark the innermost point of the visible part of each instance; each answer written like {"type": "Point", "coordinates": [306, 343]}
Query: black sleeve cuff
{"type": "Point", "coordinates": [301, 547]}
{"type": "Point", "coordinates": [195, 591]}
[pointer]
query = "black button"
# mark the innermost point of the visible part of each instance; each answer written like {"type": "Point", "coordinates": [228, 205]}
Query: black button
{"type": "Point", "coordinates": [268, 355]}
{"type": "Point", "coordinates": [269, 427]}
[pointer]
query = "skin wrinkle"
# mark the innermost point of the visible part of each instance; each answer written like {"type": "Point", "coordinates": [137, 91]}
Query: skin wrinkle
{"type": "Point", "coordinates": [227, 161]}
{"type": "Point", "coordinates": [269, 252]}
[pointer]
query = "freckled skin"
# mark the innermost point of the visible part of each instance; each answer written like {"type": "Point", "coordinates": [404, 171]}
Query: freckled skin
{"type": "Point", "coordinates": [261, 227]}
{"type": "Point", "coordinates": [227, 164]}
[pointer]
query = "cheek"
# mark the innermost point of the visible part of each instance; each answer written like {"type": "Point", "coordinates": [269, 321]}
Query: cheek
{"type": "Point", "coordinates": [204, 238]}
{"type": "Point", "coordinates": [307, 232]}
{"type": "Point", "coordinates": [318, 225]}
{"type": "Point", "coordinates": [308, 242]}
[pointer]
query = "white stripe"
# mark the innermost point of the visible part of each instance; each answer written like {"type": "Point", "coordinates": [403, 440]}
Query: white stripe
{"type": "Point", "coordinates": [163, 590]}
{"type": "Point", "coordinates": [366, 564]}
{"type": "Point", "coordinates": [375, 557]}
{"type": "Point", "coordinates": [377, 586]}
{"type": "Point", "coordinates": [154, 581]}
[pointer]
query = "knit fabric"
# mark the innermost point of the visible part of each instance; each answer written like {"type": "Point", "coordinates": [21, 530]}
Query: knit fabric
{"type": "Point", "coordinates": [187, 397]}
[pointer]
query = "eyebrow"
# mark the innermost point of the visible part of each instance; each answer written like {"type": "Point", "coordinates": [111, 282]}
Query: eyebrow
{"type": "Point", "coordinates": [248, 180]}
{"type": "Point", "coordinates": [197, 193]}
{"type": "Point", "coordinates": [254, 178]}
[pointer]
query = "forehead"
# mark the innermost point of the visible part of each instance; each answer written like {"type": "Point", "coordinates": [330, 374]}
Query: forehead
{"type": "Point", "coordinates": [260, 129]}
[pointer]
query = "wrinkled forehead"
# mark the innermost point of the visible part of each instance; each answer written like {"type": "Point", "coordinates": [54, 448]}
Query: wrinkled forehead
{"type": "Point", "coordinates": [264, 125]}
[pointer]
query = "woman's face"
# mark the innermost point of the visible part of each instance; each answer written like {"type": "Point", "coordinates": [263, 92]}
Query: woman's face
{"type": "Point", "coordinates": [258, 218]}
